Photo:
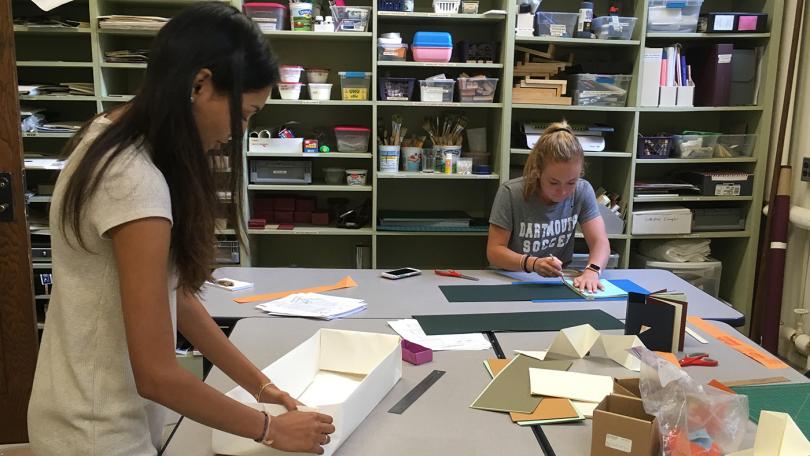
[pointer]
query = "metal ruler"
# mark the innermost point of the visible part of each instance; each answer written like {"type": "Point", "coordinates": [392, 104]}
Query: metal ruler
{"type": "Point", "coordinates": [416, 392]}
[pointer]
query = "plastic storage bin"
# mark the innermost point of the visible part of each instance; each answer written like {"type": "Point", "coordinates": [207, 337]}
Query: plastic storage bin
{"type": "Point", "coordinates": [227, 252]}
{"type": "Point", "coordinates": [614, 27]}
{"type": "Point", "coordinates": [392, 52]}
{"type": "Point", "coordinates": [694, 145]}
{"type": "Point", "coordinates": [704, 275]}
{"type": "Point", "coordinates": [477, 90]}
{"type": "Point", "coordinates": [446, 6]}
{"type": "Point", "coordinates": [656, 147]}
{"type": "Point", "coordinates": [436, 90]}
{"type": "Point", "coordinates": [320, 91]}
{"type": "Point", "coordinates": [354, 85]}
{"type": "Point", "coordinates": [351, 18]}
{"type": "Point", "coordinates": [729, 146]}
{"type": "Point", "coordinates": [555, 24]}
{"type": "Point", "coordinates": [352, 139]}
{"type": "Point", "coordinates": [396, 89]}
{"type": "Point", "coordinates": [718, 219]}
{"type": "Point", "coordinates": [395, 5]}
{"type": "Point", "coordinates": [673, 16]}
{"type": "Point", "coordinates": [432, 47]}
{"type": "Point", "coordinates": [289, 90]}
{"type": "Point", "coordinates": [268, 16]}
{"type": "Point", "coordinates": [356, 176]}
{"type": "Point", "coordinates": [317, 75]}
{"type": "Point", "coordinates": [290, 73]}
{"type": "Point", "coordinates": [600, 89]}
{"type": "Point", "coordinates": [333, 176]}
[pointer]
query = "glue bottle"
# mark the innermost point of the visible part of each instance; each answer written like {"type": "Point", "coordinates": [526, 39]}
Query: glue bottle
{"type": "Point", "coordinates": [585, 19]}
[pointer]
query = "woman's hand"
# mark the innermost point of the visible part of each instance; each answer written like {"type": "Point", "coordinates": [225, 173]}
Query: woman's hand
{"type": "Point", "coordinates": [304, 432]}
{"type": "Point", "coordinates": [588, 281]}
{"type": "Point", "coordinates": [547, 266]}
{"type": "Point", "coordinates": [273, 395]}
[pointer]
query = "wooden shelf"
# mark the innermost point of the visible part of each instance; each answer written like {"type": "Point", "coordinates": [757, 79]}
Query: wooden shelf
{"type": "Point", "coordinates": [708, 161]}
{"type": "Point", "coordinates": [432, 233]}
{"type": "Point", "coordinates": [57, 98]}
{"type": "Point", "coordinates": [52, 64]}
{"type": "Point", "coordinates": [129, 66]}
{"type": "Point", "coordinates": [423, 104]}
{"type": "Point", "coordinates": [127, 32]}
{"type": "Point", "coordinates": [574, 41]}
{"type": "Point", "coordinates": [312, 231]}
{"type": "Point", "coordinates": [421, 175]}
{"type": "Point", "coordinates": [481, 66]}
{"type": "Point", "coordinates": [679, 199]}
{"type": "Point", "coordinates": [574, 108]}
{"type": "Point", "coordinates": [671, 109]}
{"type": "Point", "coordinates": [311, 188]}
{"type": "Point", "coordinates": [342, 36]}
{"type": "Point", "coordinates": [319, 102]}
{"type": "Point", "coordinates": [432, 18]}
{"type": "Point", "coordinates": [316, 155]}
{"type": "Point", "coordinates": [705, 36]}
{"type": "Point", "coordinates": [698, 235]}
{"type": "Point", "coordinates": [52, 30]}
{"type": "Point", "coordinates": [604, 154]}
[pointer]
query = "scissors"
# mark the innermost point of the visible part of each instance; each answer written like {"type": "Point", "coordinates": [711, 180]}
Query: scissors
{"type": "Point", "coordinates": [452, 273]}
{"type": "Point", "coordinates": [698, 359]}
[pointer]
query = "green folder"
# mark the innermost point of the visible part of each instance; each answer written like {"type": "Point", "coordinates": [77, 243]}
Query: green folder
{"type": "Point", "coordinates": [514, 292]}
{"type": "Point", "coordinates": [516, 321]}
{"type": "Point", "coordinates": [793, 399]}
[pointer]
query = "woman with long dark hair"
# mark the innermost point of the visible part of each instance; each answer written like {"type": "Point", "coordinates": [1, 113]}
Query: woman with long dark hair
{"type": "Point", "coordinates": [132, 223]}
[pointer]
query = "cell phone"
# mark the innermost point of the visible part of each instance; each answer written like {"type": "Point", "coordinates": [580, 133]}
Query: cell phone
{"type": "Point", "coordinates": [401, 273]}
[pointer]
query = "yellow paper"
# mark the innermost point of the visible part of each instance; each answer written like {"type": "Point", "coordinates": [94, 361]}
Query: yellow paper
{"type": "Point", "coordinates": [573, 342]}
{"type": "Point", "coordinates": [346, 282]}
{"type": "Point", "coordinates": [570, 385]}
{"type": "Point", "coordinates": [777, 435]}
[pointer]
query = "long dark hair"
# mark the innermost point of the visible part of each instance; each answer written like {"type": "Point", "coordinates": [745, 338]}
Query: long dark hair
{"type": "Point", "coordinates": [159, 119]}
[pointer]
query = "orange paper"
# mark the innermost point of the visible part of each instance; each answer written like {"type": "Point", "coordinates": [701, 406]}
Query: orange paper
{"type": "Point", "coordinates": [346, 282]}
{"type": "Point", "coordinates": [496, 365]}
{"type": "Point", "coordinates": [766, 360]}
{"type": "Point", "coordinates": [669, 357]}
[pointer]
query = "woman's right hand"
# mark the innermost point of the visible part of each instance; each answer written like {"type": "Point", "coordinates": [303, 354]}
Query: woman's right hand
{"type": "Point", "coordinates": [548, 267]}
{"type": "Point", "coordinates": [302, 432]}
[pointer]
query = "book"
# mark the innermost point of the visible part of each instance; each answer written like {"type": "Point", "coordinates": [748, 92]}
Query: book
{"type": "Point", "coordinates": [658, 319]}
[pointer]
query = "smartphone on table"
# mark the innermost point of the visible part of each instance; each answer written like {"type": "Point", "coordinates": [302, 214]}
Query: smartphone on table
{"type": "Point", "coordinates": [401, 273]}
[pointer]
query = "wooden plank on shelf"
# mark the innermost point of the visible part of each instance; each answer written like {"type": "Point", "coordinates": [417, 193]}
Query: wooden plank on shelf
{"type": "Point", "coordinates": [534, 92]}
{"type": "Point", "coordinates": [519, 97]}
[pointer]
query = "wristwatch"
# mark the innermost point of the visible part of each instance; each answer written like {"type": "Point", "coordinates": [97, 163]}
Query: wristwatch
{"type": "Point", "coordinates": [595, 268]}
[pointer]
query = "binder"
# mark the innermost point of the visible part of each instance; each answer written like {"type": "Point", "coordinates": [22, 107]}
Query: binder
{"type": "Point", "coordinates": [712, 75]}
{"type": "Point", "coordinates": [651, 76]}
{"type": "Point", "coordinates": [743, 77]}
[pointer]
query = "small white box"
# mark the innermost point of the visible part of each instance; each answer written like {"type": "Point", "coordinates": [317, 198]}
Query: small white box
{"type": "Point", "coordinates": [686, 96]}
{"type": "Point", "coordinates": [662, 220]}
{"type": "Point", "coordinates": [669, 96]}
{"type": "Point", "coordinates": [344, 374]}
{"type": "Point", "coordinates": [276, 145]}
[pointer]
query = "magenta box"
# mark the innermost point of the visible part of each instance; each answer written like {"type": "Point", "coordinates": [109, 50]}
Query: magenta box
{"type": "Point", "coordinates": [415, 353]}
{"type": "Point", "coordinates": [431, 54]}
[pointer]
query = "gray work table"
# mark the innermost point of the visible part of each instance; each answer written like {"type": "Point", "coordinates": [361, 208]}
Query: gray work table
{"type": "Point", "coordinates": [421, 294]}
{"type": "Point", "coordinates": [440, 422]}
{"type": "Point", "coordinates": [575, 439]}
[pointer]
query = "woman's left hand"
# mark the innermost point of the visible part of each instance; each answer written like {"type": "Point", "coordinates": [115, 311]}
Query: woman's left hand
{"type": "Point", "coordinates": [588, 281]}
{"type": "Point", "coordinates": [273, 395]}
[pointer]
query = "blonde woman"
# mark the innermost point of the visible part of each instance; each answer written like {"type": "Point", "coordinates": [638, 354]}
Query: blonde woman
{"type": "Point", "coordinates": [534, 217]}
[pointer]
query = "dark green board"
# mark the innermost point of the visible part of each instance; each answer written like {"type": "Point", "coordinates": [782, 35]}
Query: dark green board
{"type": "Point", "coordinates": [516, 321]}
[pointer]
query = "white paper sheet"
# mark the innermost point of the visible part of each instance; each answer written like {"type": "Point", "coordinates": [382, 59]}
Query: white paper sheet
{"type": "Point", "coordinates": [313, 305]}
{"type": "Point", "coordinates": [573, 343]}
{"type": "Point", "coordinates": [47, 5]}
{"type": "Point", "coordinates": [409, 329]}
{"type": "Point", "coordinates": [539, 354]}
{"type": "Point", "coordinates": [615, 347]}
{"type": "Point", "coordinates": [570, 385]}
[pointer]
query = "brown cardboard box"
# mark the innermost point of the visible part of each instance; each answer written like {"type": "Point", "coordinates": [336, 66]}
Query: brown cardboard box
{"type": "Point", "coordinates": [622, 428]}
{"type": "Point", "coordinates": [626, 387]}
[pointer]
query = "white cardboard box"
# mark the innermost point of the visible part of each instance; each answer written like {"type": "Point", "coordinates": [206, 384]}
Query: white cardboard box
{"type": "Point", "coordinates": [662, 220]}
{"type": "Point", "coordinates": [344, 374]}
{"type": "Point", "coordinates": [276, 145]}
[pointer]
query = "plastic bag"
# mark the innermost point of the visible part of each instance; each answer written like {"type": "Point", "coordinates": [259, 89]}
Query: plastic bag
{"type": "Point", "coordinates": [694, 420]}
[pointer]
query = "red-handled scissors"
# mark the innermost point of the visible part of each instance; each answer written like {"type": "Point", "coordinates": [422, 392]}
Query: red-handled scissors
{"type": "Point", "coordinates": [452, 273]}
{"type": "Point", "coordinates": [698, 359]}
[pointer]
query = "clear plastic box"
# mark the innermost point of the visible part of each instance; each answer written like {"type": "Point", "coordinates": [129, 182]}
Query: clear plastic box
{"type": "Point", "coordinates": [352, 139]}
{"type": "Point", "coordinates": [477, 90]}
{"type": "Point", "coordinates": [600, 89]}
{"type": "Point", "coordinates": [268, 16]}
{"type": "Point", "coordinates": [555, 24]}
{"type": "Point", "coordinates": [673, 16]}
{"type": "Point", "coordinates": [694, 146]}
{"type": "Point", "coordinates": [436, 90]}
{"type": "Point", "coordinates": [614, 27]}
{"type": "Point", "coordinates": [392, 52]}
{"type": "Point", "coordinates": [704, 275]}
{"type": "Point", "coordinates": [351, 18]}
{"type": "Point", "coordinates": [718, 219]}
{"type": "Point", "coordinates": [355, 85]}
{"type": "Point", "coordinates": [730, 146]}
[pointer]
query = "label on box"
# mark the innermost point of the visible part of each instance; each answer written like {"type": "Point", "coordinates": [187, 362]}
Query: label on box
{"type": "Point", "coordinates": [618, 443]}
{"type": "Point", "coordinates": [724, 22]}
{"type": "Point", "coordinates": [360, 93]}
{"type": "Point", "coordinates": [724, 58]}
{"type": "Point", "coordinates": [557, 30]}
{"type": "Point", "coordinates": [747, 24]}
{"type": "Point", "coordinates": [727, 189]}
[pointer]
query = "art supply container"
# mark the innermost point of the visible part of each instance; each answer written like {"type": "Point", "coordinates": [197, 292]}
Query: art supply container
{"type": "Point", "coordinates": [389, 158]}
{"type": "Point", "coordinates": [320, 91]}
{"type": "Point", "coordinates": [411, 158]}
{"type": "Point", "coordinates": [290, 73]}
{"type": "Point", "coordinates": [289, 90]}
{"type": "Point", "coordinates": [432, 47]}
{"type": "Point", "coordinates": [428, 162]}
{"type": "Point", "coordinates": [268, 16]}
{"type": "Point", "coordinates": [317, 75]}
{"type": "Point", "coordinates": [356, 176]}
{"type": "Point", "coordinates": [453, 153]}
{"type": "Point", "coordinates": [333, 176]}
{"type": "Point", "coordinates": [352, 139]}
{"type": "Point", "coordinates": [301, 17]}
{"type": "Point", "coordinates": [355, 85]}
{"type": "Point", "coordinates": [464, 165]}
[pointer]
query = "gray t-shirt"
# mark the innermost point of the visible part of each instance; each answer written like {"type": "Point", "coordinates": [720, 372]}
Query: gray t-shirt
{"type": "Point", "coordinates": [539, 229]}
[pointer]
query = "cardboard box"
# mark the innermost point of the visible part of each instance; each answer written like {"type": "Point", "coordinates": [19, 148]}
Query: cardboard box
{"type": "Point", "coordinates": [283, 217]}
{"type": "Point", "coordinates": [302, 217]}
{"type": "Point", "coordinates": [626, 387]}
{"type": "Point", "coordinates": [276, 145]}
{"type": "Point", "coordinates": [344, 374]}
{"type": "Point", "coordinates": [621, 427]}
{"type": "Point", "coordinates": [662, 220]}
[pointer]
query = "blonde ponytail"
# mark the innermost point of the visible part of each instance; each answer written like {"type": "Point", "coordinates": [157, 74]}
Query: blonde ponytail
{"type": "Point", "coordinates": [557, 144]}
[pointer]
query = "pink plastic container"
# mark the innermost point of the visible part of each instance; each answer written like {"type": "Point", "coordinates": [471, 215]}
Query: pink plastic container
{"type": "Point", "coordinates": [415, 353]}
{"type": "Point", "coordinates": [269, 16]}
{"type": "Point", "coordinates": [431, 54]}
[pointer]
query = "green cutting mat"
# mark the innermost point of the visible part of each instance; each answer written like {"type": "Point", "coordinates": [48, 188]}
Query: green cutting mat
{"type": "Point", "coordinates": [513, 292]}
{"type": "Point", "coordinates": [793, 399]}
{"type": "Point", "coordinates": [516, 321]}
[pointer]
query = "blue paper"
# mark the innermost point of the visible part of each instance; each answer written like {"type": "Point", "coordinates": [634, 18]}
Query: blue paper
{"type": "Point", "coordinates": [629, 286]}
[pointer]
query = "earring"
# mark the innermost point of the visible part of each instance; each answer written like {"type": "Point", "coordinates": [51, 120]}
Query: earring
{"type": "Point", "coordinates": [191, 99]}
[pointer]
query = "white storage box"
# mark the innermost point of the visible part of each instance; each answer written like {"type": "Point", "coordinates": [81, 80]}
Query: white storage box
{"type": "Point", "coordinates": [344, 374]}
{"type": "Point", "coordinates": [275, 145]}
{"type": "Point", "coordinates": [701, 274]}
{"type": "Point", "coordinates": [673, 16]}
{"type": "Point", "coordinates": [662, 220]}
